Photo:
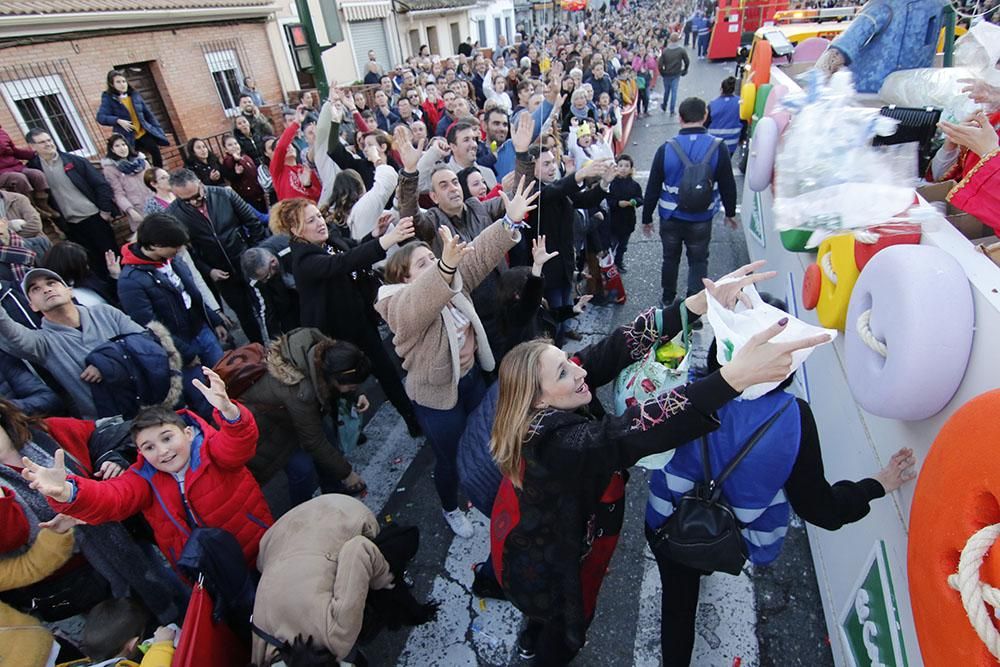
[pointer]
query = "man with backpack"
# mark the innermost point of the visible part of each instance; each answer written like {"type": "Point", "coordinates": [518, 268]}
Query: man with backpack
{"type": "Point", "coordinates": [688, 179]}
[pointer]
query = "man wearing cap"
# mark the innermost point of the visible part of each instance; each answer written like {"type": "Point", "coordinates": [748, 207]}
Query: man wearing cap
{"type": "Point", "coordinates": [68, 333]}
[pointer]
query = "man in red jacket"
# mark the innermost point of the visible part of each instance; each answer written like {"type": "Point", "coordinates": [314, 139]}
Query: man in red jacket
{"type": "Point", "coordinates": [188, 475]}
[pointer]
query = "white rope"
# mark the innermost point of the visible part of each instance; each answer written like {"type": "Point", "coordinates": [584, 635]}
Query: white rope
{"type": "Point", "coordinates": [867, 337]}
{"type": "Point", "coordinates": [826, 263]}
{"type": "Point", "coordinates": [974, 592]}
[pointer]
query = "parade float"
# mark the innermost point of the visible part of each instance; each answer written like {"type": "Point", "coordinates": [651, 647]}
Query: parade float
{"type": "Point", "coordinates": [902, 275]}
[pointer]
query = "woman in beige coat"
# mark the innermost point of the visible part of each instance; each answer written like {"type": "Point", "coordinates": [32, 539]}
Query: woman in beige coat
{"type": "Point", "coordinates": [440, 338]}
{"type": "Point", "coordinates": [317, 563]}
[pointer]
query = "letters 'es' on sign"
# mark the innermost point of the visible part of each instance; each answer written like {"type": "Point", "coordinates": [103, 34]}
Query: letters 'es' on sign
{"type": "Point", "coordinates": [869, 624]}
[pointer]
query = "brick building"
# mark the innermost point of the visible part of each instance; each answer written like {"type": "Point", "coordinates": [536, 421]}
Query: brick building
{"type": "Point", "coordinates": [186, 57]}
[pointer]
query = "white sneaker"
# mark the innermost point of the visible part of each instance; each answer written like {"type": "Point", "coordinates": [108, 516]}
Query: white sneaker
{"type": "Point", "coordinates": [458, 523]}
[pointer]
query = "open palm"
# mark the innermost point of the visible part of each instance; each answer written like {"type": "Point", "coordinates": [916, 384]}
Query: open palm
{"type": "Point", "coordinates": [47, 481]}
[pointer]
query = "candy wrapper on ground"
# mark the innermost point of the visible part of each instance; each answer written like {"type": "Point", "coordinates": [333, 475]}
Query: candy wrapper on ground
{"type": "Point", "coordinates": [827, 174]}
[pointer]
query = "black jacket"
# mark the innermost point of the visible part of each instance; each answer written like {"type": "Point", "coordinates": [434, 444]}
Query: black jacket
{"type": "Point", "coordinates": [336, 296]}
{"type": "Point", "coordinates": [218, 243]}
{"type": "Point", "coordinates": [135, 371]}
{"type": "Point", "coordinates": [556, 205]}
{"type": "Point", "coordinates": [87, 180]}
{"type": "Point", "coordinates": [203, 170]}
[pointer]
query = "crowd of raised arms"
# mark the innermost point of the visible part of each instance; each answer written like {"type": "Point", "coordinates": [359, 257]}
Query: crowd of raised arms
{"type": "Point", "coordinates": [467, 206]}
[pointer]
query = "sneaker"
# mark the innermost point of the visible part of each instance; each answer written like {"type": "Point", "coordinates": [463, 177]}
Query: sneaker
{"type": "Point", "coordinates": [486, 586]}
{"type": "Point", "coordinates": [459, 523]}
{"type": "Point", "coordinates": [525, 646]}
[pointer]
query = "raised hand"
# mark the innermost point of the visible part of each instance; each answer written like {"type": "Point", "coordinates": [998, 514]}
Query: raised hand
{"type": "Point", "coordinates": [763, 361]}
{"type": "Point", "coordinates": [454, 250]}
{"type": "Point", "coordinates": [539, 254]}
{"type": "Point", "coordinates": [980, 92]}
{"type": "Point", "coordinates": [401, 232]}
{"type": "Point", "coordinates": [520, 204]}
{"type": "Point", "coordinates": [522, 135]}
{"type": "Point", "coordinates": [898, 471]}
{"type": "Point", "coordinates": [113, 264]}
{"type": "Point", "coordinates": [215, 393]}
{"type": "Point", "coordinates": [49, 482]}
{"type": "Point", "coordinates": [384, 220]}
{"type": "Point", "coordinates": [409, 154]}
{"type": "Point", "coordinates": [729, 293]}
{"type": "Point", "coordinates": [108, 470]}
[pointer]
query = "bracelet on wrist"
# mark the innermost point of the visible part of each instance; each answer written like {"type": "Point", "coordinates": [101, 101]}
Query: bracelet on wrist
{"type": "Point", "coordinates": [444, 268]}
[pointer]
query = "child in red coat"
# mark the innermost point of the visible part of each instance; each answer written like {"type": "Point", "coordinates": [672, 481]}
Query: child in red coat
{"type": "Point", "coordinates": [188, 475]}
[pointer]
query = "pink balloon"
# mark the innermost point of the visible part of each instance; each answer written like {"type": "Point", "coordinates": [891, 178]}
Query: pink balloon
{"type": "Point", "coordinates": [781, 118]}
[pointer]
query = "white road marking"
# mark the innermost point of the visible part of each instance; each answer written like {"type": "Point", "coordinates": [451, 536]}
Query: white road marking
{"type": "Point", "coordinates": [726, 623]}
{"type": "Point", "coordinates": [382, 460]}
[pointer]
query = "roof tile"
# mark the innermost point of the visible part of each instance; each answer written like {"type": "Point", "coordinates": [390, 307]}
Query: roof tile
{"type": "Point", "coordinates": [23, 7]}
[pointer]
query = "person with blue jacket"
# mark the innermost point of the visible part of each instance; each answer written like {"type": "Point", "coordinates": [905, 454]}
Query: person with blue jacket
{"type": "Point", "coordinates": [679, 226]}
{"type": "Point", "coordinates": [123, 109]}
{"type": "Point", "coordinates": [782, 472]}
{"type": "Point", "coordinates": [152, 287]}
{"type": "Point", "coordinates": [25, 390]}
{"type": "Point", "coordinates": [724, 116]}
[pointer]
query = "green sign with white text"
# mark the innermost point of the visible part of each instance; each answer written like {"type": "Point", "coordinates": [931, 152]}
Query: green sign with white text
{"type": "Point", "coordinates": [869, 624]}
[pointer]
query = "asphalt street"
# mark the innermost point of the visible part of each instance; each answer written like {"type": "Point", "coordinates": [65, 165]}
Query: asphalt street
{"type": "Point", "coordinates": [765, 616]}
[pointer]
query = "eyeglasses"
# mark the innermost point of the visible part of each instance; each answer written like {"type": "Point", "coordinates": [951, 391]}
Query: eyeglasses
{"type": "Point", "coordinates": [193, 198]}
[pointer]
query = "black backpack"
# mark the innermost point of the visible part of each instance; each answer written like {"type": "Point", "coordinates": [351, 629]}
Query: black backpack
{"type": "Point", "coordinates": [695, 194]}
{"type": "Point", "coordinates": [703, 532]}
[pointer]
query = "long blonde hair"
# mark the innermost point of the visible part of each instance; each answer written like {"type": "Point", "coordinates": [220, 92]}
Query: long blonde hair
{"type": "Point", "coordinates": [519, 390]}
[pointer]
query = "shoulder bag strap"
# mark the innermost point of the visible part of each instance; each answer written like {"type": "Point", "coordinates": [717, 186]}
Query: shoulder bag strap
{"type": "Point", "coordinates": [680, 152]}
{"type": "Point", "coordinates": [758, 434]}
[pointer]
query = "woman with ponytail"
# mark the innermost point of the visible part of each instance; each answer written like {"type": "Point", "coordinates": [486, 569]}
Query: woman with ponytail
{"type": "Point", "coordinates": [560, 507]}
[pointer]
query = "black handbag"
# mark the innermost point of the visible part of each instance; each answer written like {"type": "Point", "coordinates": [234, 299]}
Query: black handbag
{"type": "Point", "coordinates": [703, 532]}
{"type": "Point", "coordinates": [59, 597]}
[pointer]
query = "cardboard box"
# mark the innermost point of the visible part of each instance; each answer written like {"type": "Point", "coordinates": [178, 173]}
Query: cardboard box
{"type": "Point", "coordinates": [969, 225]}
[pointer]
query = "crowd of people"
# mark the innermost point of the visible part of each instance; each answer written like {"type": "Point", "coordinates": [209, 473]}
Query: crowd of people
{"type": "Point", "coordinates": [471, 206]}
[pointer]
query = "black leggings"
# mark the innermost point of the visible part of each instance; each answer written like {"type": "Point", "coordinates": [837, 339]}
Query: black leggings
{"type": "Point", "coordinates": [642, 104]}
{"type": "Point", "coordinates": [147, 144]}
{"type": "Point", "coordinates": [548, 639]}
{"type": "Point", "coordinates": [679, 605]}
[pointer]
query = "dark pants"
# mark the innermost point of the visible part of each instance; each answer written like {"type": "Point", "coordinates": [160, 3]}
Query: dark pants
{"type": "Point", "coordinates": [97, 237]}
{"type": "Point", "coordinates": [303, 477]}
{"type": "Point", "coordinates": [679, 605]}
{"type": "Point", "coordinates": [548, 639]}
{"type": "Point", "coordinates": [695, 236]}
{"type": "Point", "coordinates": [703, 44]}
{"type": "Point", "coordinates": [24, 182]}
{"type": "Point", "coordinates": [621, 232]}
{"type": "Point", "coordinates": [670, 86]}
{"type": "Point", "coordinates": [237, 296]}
{"type": "Point", "coordinates": [147, 144]}
{"type": "Point", "coordinates": [557, 297]}
{"type": "Point", "coordinates": [444, 428]}
{"type": "Point", "coordinates": [642, 104]}
{"type": "Point", "coordinates": [386, 373]}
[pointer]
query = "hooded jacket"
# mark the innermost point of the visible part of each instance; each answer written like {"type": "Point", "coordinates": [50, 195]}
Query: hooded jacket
{"type": "Point", "coordinates": [425, 337]}
{"type": "Point", "coordinates": [288, 398]}
{"type": "Point", "coordinates": [218, 488]}
{"type": "Point", "coordinates": [317, 565]}
{"type": "Point", "coordinates": [147, 295]}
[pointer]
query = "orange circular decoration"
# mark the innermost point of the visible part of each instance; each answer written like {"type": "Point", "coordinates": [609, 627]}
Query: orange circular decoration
{"type": "Point", "coordinates": [956, 495]}
{"type": "Point", "coordinates": [811, 283]}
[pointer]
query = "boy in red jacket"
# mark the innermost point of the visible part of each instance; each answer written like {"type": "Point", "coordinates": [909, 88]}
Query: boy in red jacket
{"type": "Point", "coordinates": [188, 475]}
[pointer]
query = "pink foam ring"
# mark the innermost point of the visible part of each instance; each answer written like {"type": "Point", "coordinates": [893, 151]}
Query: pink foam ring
{"type": "Point", "coordinates": [920, 307]}
{"type": "Point", "coordinates": [777, 94]}
{"type": "Point", "coordinates": [763, 148]}
{"type": "Point", "coordinates": [809, 50]}
{"type": "Point", "coordinates": [782, 118]}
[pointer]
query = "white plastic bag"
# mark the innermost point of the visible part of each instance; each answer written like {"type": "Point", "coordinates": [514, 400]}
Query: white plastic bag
{"type": "Point", "coordinates": [733, 328]}
{"type": "Point", "coordinates": [827, 175]}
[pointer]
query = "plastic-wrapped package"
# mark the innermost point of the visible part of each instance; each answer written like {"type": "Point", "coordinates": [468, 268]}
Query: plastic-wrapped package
{"type": "Point", "coordinates": [827, 175]}
{"type": "Point", "coordinates": [976, 54]}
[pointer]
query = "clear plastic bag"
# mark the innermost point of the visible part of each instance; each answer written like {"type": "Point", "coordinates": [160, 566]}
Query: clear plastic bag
{"type": "Point", "coordinates": [827, 174]}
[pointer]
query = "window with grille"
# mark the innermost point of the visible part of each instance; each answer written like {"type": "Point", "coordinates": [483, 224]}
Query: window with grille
{"type": "Point", "coordinates": [43, 102]}
{"type": "Point", "coordinates": [497, 30]}
{"type": "Point", "coordinates": [228, 76]}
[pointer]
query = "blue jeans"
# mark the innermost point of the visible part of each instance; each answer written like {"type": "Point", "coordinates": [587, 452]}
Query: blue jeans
{"type": "Point", "coordinates": [209, 351]}
{"type": "Point", "coordinates": [703, 44]}
{"type": "Point", "coordinates": [695, 236]}
{"type": "Point", "coordinates": [670, 84]}
{"type": "Point", "coordinates": [444, 428]}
